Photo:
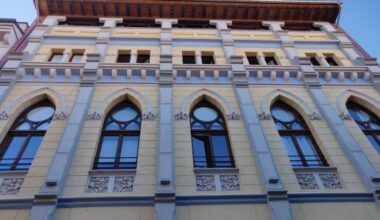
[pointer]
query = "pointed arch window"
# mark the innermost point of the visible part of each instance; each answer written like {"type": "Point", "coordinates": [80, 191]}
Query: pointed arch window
{"type": "Point", "coordinates": [23, 140]}
{"type": "Point", "coordinates": [118, 146]}
{"type": "Point", "coordinates": [367, 121]}
{"type": "Point", "coordinates": [210, 141]}
{"type": "Point", "coordinates": [300, 145]}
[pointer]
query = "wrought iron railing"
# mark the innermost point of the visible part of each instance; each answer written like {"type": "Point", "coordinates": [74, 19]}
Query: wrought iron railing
{"type": "Point", "coordinates": [214, 162]}
{"type": "Point", "coordinates": [308, 160]}
{"type": "Point", "coordinates": [115, 163]}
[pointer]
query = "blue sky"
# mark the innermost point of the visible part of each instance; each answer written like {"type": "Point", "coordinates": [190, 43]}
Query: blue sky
{"type": "Point", "coordinates": [360, 18]}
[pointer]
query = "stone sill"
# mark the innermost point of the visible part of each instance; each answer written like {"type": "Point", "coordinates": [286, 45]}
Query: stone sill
{"type": "Point", "coordinates": [216, 170]}
{"type": "Point", "coordinates": [112, 172]}
{"type": "Point", "coordinates": [331, 169]}
{"type": "Point", "coordinates": [13, 173]}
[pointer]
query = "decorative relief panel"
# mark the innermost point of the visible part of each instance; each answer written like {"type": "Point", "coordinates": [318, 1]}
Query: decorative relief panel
{"type": "Point", "coordinates": [233, 116]}
{"type": "Point", "coordinates": [4, 116]}
{"type": "Point", "coordinates": [319, 181]}
{"type": "Point", "coordinates": [307, 181]}
{"type": "Point", "coordinates": [229, 182]}
{"type": "Point", "coordinates": [98, 184]}
{"type": "Point", "coordinates": [181, 116]}
{"type": "Point", "coordinates": [123, 184]}
{"type": "Point", "coordinates": [345, 116]}
{"type": "Point", "coordinates": [330, 181]}
{"type": "Point", "coordinates": [205, 183]}
{"type": "Point", "coordinates": [104, 184]}
{"type": "Point", "coordinates": [149, 116]}
{"type": "Point", "coordinates": [217, 182]}
{"type": "Point", "coordinates": [265, 116]}
{"type": "Point", "coordinates": [60, 116]}
{"type": "Point", "coordinates": [94, 116]}
{"type": "Point", "coordinates": [10, 186]}
{"type": "Point", "coordinates": [314, 117]}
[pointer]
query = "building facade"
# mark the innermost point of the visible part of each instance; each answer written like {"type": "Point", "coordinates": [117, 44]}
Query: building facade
{"type": "Point", "coordinates": [189, 110]}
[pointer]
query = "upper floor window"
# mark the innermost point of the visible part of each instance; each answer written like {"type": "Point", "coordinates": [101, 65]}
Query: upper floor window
{"type": "Point", "coordinates": [76, 57]}
{"type": "Point", "coordinates": [188, 57]}
{"type": "Point", "coordinates": [331, 60]}
{"type": "Point", "coordinates": [313, 59]}
{"type": "Point", "coordinates": [56, 57]}
{"type": "Point", "coordinates": [143, 57]}
{"type": "Point", "coordinates": [22, 141]}
{"type": "Point", "coordinates": [124, 57]}
{"type": "Point", "coordinates": [208, 58]}
{"type": "Point", "coordinates": [270, 60]}
{"type": "Point", "coordinates": [211, 145]}
{"type": "Point", "coordinates": [118, 146]}
{"type": "Point", "coordinates": [252, 59]}
{"type": "Point", "coordinates": [367, 121]}
{"type": "Point", "coordinates": [300, 145]}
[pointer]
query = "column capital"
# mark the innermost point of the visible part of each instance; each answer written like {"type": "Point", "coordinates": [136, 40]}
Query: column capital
{"type": "Point", "coordinates": [111, 22]}
{"type": "Point", "coordinates": [221, 24]}
{"type": "Point", "coordinates": [53, 20]}
{"type": "Point", "coordinates": [274, 25]}
{"type": "Point", "coordinates": [166, 23]}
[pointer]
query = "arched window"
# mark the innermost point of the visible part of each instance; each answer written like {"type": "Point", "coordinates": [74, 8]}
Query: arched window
{"type": "Point", "coordinates": [296, 136]}
{"type": "Point", "coordinates": [211, 145]}
{"type": "Point", "coordinates": [119, 141]}
{"type": "Point", "coordinates": [367, 121]}
{"type": "Point", "coordinates": [22, 141]}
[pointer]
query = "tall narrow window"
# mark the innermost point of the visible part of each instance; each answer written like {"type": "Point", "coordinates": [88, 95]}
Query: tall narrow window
{"type": "Point", "coordinates": [56, 57]}
{"type": "Point", "coordinates": [119, 141]}
{"type": "Point", "coordinates": [143, 56]}
{"type": "Point", "coordinates": [21, 144]}
{"type": "Point", "coordinates": [297, 138]}
{"type": "Point", "coordinates": [367, 121]}
{"type": "Point", "coordinates": [211, 146]}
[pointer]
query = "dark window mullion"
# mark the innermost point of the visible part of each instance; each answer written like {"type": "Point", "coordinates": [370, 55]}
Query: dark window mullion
{"type": "Point", "coordinates": [21, 152]}
{"type": "Point", "coordinates": [118, 151]}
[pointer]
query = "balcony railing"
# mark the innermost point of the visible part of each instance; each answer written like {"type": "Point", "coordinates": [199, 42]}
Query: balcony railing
{"type": "Point", "coordinates": [21, 164]}
{"type": "Point", "coordinates": [308, 160]}
{"type": "Point", "coordinates": [115, 163]}
{"type": "Point", "coordinates": [214, 162]}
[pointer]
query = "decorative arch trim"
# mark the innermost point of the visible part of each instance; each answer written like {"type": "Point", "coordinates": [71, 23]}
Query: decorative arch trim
{"type": "Point", "coordinates": [135, 97]}
{"type": "Point", "coordinates": [205, 94]}
{"type": "Point", "coordinates": [35, 96]}
{"type": "Point", "coordinates": [299, 104]}
{"type": "Point", "coordinates": [361, 98]}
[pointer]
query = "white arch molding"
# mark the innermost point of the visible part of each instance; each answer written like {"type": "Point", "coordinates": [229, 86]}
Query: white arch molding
{"type": "Point", "coordinates": [211, 96]}
{"type": "Point", "coordinates": [365, 100]}
{"type": "Point", "coordinates": [132, 95]}
{"type": "Point", "coordinates": [298, 103]}
{"type": "Point", "coordinates": [19, 104]}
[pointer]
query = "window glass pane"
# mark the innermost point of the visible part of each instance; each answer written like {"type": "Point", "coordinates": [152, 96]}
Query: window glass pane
{"type": "Point", "coordinates": [374, 125]}
{"type": "Point", "coordinates": [123, 58]}
{"type": "Point", "coordinates": [314, 61]}
{"type": "Point", "coordinates": [308, 150]}
{"type": "Point", "coordinates": [331, 61]}
{"type": "Point", "coordinates": [359, 114]}
{"type": "Point", "coordinates": [293, 154]}
{"type": "Point", "coordinates": [40, 113]}
{"type": "Point", "coordinates": [23, 126]}
{"type": "Point", "coordinates": [112, 126]}
{"type": "Point", "coordinates": [282, 114]}
{"type": "Point", "coordinates": [217, 126]}
{"type": "Point", "coordinates": [29, 153]}
{"type": "Point", "coordinates": [199, 143]}
{"type": "Point", "coordinates": [108, 152]}
{"type": "Point", "coordinates": [142, 58]}
{"type": "Point", "coordinates": [252, 60]}
{"type": "Point", "coordinates": [208, 60]}
{"type": "Point", "coordinates": [128, 157]}
{"type": "Point", "coordinates": [188, 59]}
{"type": "Point", "coordinates": [133, 127]}
{"type": "Point", "coordinates": [221, 152]}
{"type": "Point", "coordinates": [270, 61]}
{"type": "Point", "coordinates": [297, 126]}
{"type": "Point", "coordinates": [76, 58]}
{"type": "Point", "coordinates": [280, 126]}
{"type": "Point", "coordinates": [374, 143]}
{"type": "Point", "coordinates": [197, 126]}
{"type": "Point", "coordinates": [205, 114]}
{"type": "Point", "coordinates": [43, 127]}
{"type": "Point", "coordinates": [125, 114]}
{"type": "Point", "coordinates": [56, 58]}
{"type": "Point", "coordinates": [12, 152]}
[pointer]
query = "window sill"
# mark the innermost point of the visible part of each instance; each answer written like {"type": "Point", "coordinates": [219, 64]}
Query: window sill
{"type": "Point", "coordinates": [215, 170]}
{"type": "Point", "coordinates": [13, 173]}
{"type": "Point", "coordinates": [113, 172]}
{"type": "Point", "coordinates": [330, 169]}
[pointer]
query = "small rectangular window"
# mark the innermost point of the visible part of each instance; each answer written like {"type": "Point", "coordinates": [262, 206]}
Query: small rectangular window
{"type": "Point", "coordinates": [270, 60]}
{"type": "Point", "coordinates": [252, 59]}
{"type": "Point", "coordinates": [124, 58]}
{"type": "Point", "coordinates": [331, 61]}
{"type": "Point", "coordinates": [56, 57]}
{"type": "Point", "coordinates": [76, 58]}
{"type": "Point", "coordinates": [188, 58]}
{"type": "Point", "coordinates": [143, 57]}
{"type": "Point", "coordinates": [314, 61]}
{"type": "Point", "coordinates": [208, 58]}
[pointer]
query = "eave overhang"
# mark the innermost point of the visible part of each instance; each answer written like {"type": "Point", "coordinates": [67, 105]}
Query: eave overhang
{"type": "Point", "coordinates": [290, 11]}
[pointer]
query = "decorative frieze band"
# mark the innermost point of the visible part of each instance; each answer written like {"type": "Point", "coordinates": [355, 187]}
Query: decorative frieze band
{"type": "Point", "coordinates": [222, 182]}
{"type": "Point", "coordinates": [145, 116]}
